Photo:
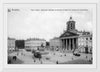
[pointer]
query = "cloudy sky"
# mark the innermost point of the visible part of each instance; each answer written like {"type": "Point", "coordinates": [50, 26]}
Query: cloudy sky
{"type": "Point", "coordinates": [29, 23]}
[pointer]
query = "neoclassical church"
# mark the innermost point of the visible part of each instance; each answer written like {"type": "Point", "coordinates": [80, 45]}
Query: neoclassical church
{"type": "Point", "coordinates": [69, 39]}
{"type": "Point", "coordinates": [72, 39]}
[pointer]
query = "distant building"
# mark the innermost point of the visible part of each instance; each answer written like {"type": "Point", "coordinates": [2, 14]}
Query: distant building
{"type": "Point", "coordinates": [33, 43]}
{"type": "Point", "coordinates": [55, 43]}
{"type": "Point", "coordinates": [11, 43]}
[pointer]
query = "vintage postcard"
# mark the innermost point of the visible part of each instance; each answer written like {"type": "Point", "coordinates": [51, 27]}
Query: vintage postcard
{"type": "Point", "coordinates": [50, 34]}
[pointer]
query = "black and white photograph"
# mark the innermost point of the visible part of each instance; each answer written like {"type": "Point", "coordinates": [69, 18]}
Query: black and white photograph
{"type": "Point", "coordinates": [49, 36]}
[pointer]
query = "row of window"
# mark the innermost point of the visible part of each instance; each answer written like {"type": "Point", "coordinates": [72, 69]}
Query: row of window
{"type": "Point", "coordinates": [85, 38]}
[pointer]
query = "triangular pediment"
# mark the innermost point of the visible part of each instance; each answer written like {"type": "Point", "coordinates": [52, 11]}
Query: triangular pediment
{"type": "Point", "coordinates": [68, 34]}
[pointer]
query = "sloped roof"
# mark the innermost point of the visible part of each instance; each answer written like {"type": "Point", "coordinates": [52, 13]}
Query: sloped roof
{"type": "Point", "coordinates": [35, 39]}
{"type": "Point", "coordinates": [11, 38]}
{"type": "Point", "coordinates": [69, 34]}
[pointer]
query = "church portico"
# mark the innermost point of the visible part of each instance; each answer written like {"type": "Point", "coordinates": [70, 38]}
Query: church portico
{"type": "Point", "coordinates": [69, 43]}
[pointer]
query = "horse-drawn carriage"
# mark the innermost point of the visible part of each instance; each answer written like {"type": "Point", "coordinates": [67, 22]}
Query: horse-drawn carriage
{"type": "Point", "coordinates": [36, 54]}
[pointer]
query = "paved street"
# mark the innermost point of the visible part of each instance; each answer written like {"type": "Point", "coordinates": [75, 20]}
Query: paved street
{"type": "Point", "coordinates": [52, 57]}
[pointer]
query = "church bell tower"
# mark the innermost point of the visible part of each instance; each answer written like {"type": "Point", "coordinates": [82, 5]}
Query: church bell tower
{"type": "Point", "coordinates": [70, 25]}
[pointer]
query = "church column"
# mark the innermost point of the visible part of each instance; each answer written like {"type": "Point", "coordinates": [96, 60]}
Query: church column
{"type": "Point", "coordinates": [66, 45]}
{"type": "Point", "coordinates": [73, 43]}
{"type": "Point", "coordinates": [69, 44]}
{"type": "Point", "coordinates": [76, 43]}
{"type": "Point", "coordinates": [62, 44]}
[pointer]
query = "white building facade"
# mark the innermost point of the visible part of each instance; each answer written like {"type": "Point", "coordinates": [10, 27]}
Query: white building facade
{"type": "Point", "coordinates": [34, 43]}
{"type": "Point", "coordinates": [55, 43]}
{"type": "Point", "coordinates": [11, 44]}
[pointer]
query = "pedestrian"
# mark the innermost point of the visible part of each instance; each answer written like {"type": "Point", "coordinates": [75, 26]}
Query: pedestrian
{"type": "Point", "coordinates": [56, 62]}
{"type": "Point", "coordinates": [34, 61]}
{"type": "Point", "coordinates": [91, 58]}
{"type": "Point", "coordinates": [17, 54]}
{"type": "Point", "coordinates": [9, 61]}
{"type": "Point", "coordinates": [21, 53]}
{"type": "Point", "coordinates": [39, 59]}
{"type": "Point", "coordinates": [72, 58]}
{"type": "Point", "coordinates": [14, 58]}
{"type": "Point", "coordinates": [86, 57]}
{"type": "Point", "coordinates": [41, 62]}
